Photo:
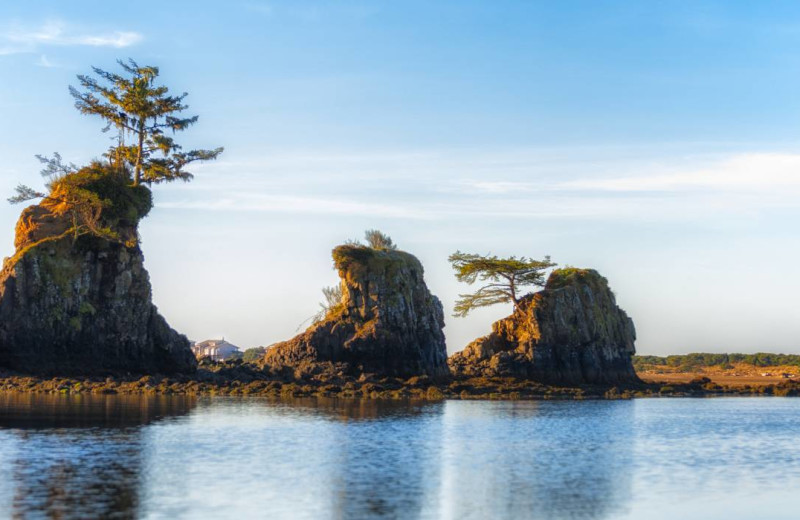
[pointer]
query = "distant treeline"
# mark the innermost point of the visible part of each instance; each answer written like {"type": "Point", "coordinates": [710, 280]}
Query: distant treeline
{"type": "Point", "coordinates": [697, 360]}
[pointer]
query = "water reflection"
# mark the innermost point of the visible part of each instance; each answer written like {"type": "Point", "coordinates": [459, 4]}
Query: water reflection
{"type": "Point", "coordinates": [536, 460]}
{"type": "Point", "coordinates": [387, 460]}
{"type": "Point", "coordinates": [24, 410]}
{"type": "Point", "coordinates": [76, 456]}
{"type": "Point", "coordinates": [355, 409]}
{"type": "Point", "coordinates": [329, 458]}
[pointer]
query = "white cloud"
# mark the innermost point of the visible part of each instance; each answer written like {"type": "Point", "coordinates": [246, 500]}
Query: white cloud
{"type": "Point", "coordinates": [762, 172]}
{"type": "Point", "coordinates": [496, 187]}
{"type": "Point", "coordinates": [56, 33]}
{"type": "Point", "coordinates": [474, 186]}
{"type": "Point", "coordinates": [298, 204]}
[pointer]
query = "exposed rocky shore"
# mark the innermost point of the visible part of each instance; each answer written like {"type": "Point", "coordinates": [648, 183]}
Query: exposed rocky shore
{"type": "Point", "coordinates": [387, 323]}
{"type": "Point", "coordinates": [238, 379]}
{"type": "Point", "coordinates": [571, 333]}
{"type": "Point", "coordinates": [80, 303]}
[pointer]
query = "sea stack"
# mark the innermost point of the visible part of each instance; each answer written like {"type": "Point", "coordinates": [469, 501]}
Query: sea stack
{"type": "Point", "coordinates": [78, 300]}
{"type": "Point", "coordinates": [386, 324]}
{"type": "Point", "coordinates": [570, 333]}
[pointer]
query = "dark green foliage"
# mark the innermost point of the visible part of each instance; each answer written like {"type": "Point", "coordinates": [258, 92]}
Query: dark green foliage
{"type": "Point", "coordinates": [566, 275]}
{"type": "Point", "coordinates": [95, 201]}
{"type": "Point", "coordinates": [124, 202]}
{"type": "Point", "coordinates": [349, 253]}
{"type": "Point", "coordinates": [98, 200]}
{"type": "Point", "coordinates": [700, 360]}
{"type": "Point", "coordinates": [254, 354]}
{"type": "Point", "coordinates": [138, 108]}
{"type": "Point", "coordinates": [506, 277]}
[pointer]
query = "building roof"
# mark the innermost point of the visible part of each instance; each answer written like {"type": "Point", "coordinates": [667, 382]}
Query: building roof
{"type": "Point", "coordinates": [217, 343]}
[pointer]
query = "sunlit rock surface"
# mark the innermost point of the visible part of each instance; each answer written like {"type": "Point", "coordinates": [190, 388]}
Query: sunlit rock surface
{"type": "Point", "coordinates": [572, 332]}
{"type": "Point", "coordinates": [83, 305]}
{"type": "Point", "coordinates": [388, 323]}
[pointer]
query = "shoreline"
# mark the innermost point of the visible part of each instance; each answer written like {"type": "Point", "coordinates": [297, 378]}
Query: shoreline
{"type": "Point", "coordinates": [243, 380]}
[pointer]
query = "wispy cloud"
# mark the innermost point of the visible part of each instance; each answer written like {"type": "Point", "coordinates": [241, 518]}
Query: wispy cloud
{"type": "Point", "coordinates": [758, 171]}
{"type": "Point", "coordinates": [430, 187]}
{"type": "Point", "coordinates": [248, 202]}
{"type": "Point", "coordinates": [44, 62]}
{"type": "Point", "coordinates": [16, 40]}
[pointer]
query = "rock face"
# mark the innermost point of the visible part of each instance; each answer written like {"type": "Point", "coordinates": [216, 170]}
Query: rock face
{"type": "Point", "coordinates": [387, 323]}
{"type": "Point", "coordinates": [572, 332]}
{"type": "Point", "coordinates": [82, 305]}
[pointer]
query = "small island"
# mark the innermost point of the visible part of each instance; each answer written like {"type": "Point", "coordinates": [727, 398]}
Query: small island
{"type": "Point", "coordinates": [76, 313]}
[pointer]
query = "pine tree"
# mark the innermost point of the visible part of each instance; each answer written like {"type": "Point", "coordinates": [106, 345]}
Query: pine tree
{"type": "Point", "coordinates": [507, 276]}
{"type": "Point", "coordinates": [137, 107]}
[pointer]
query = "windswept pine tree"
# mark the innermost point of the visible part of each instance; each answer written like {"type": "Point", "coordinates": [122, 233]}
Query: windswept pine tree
{"type": "Point", "coordinates": [506, 277]}
{"type": "Point", "coordinates": [139, 108]}
{"type": "Point", "coordinates": [97, 197]}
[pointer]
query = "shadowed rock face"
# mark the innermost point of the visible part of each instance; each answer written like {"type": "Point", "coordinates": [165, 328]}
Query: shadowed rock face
{"type": "Point", "coordinates": [572, 332]}
{"type": "Point", "coordinates": [388, 323]}
{"type": "Point", "coordinates": [81, 306]}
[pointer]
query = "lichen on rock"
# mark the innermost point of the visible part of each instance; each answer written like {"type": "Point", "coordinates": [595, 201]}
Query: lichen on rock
{"type": "Point", "coordinates": [572, 332]}
{"type": "Point", "coordinates": [388, 322]}
{"type": "Point", "coordinates": [80, 303]}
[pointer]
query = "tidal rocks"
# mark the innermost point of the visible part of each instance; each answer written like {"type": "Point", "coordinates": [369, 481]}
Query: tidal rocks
{"type": "Point", "coordinates": [387, 323]}
{"type": "Point", "coordinates": [82, 304]}
{"type": "Point", "coordinates": [570, 333]}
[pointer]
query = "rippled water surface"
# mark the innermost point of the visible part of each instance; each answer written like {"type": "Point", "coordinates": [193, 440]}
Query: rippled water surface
{"type": "Point", "coordinates": [180, 457]}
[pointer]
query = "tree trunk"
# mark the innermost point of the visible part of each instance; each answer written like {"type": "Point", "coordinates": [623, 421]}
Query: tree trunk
{"type": "Point", "coordinates": [137, 174]}
{"type": "Point", "coordinates": [514, 295]}
{"type": "Point", "coordinates": [512, 285]}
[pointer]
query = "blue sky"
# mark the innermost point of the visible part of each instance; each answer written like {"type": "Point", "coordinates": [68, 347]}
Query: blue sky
{"type": "Point", "coordinates": [658, 142]}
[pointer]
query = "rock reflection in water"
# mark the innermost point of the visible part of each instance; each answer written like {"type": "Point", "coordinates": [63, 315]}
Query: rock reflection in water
{"type": "Point", "coordinates": [355, 409]}
{"type": "Point", "coordinates": [314, 458]}
{"type": "Point", "coordinates": [76, 456]}
{"type": "Point", "coordinates": [384, 456]}
{"type": "Point", "coordinates": [536, 460]}
{"type": "Point", "coordinates": [21, 410]}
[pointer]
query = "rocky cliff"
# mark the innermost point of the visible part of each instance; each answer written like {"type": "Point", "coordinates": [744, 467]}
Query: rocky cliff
{"type": "Point", "coordinates": [387, 323]}
{"type": "Point", "coordinates": [75, 303]}
{"type": "Point", "coordinates": [572, 332]}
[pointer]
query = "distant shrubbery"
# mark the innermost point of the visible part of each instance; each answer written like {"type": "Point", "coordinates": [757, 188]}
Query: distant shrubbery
{"type": "Point", "coordinates": [252, 355]}
{"type": "Point", "coordinates": [700, 360]}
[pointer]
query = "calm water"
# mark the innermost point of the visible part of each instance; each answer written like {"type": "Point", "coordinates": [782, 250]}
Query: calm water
{"type": "Point", "coordinates": [114, 456]}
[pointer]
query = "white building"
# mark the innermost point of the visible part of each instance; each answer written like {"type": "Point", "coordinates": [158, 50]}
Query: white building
{"type": "Point", "coordinates": [216, 349]}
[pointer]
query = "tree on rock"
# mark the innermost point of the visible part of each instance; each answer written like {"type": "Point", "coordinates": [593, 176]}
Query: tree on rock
{"type": "Point", "coordinates": [137, 107]}
{"type": "Point", "coordinates": [379, 240]}
{"type": "Point", "coordinates": [73, 195]}
{"type": "Point", "coordinates": [98, 197]}
{"type": "Point", "coordinates": [506, 277]}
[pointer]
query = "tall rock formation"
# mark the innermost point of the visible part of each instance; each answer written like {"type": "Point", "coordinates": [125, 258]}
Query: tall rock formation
{"type": "Point", "coordinates": [82, 305]}
{"type": "Point", "coordinates": [387, 323]}
{"type": "Point", "coordinates": [572, 332]}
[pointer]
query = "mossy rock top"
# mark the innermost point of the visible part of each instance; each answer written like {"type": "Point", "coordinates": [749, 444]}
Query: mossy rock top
{"type": "Point", "coordinates": [350, 258]}
{"type": "Point", "coordinates": [561, 278]}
